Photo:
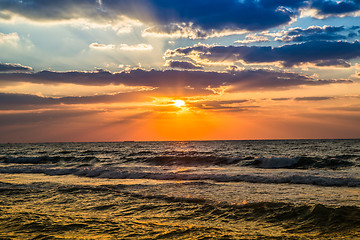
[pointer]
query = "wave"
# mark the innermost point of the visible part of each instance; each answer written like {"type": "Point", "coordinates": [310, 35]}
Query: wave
{"type": "Point", "coordinates": [124, 173]}
{"type": "Point", "coordinates": [139, 212]}
{"type": "Point", "coordinates": [271, 162]}
{"type": "Point", "coordinates": [302, 162]}
{"type": "Point", "coordinates": [47, 159]}
{"type": "Point", "coordinates": [298, 217]}
{"type": "Point", "coordinates": [191, 158]}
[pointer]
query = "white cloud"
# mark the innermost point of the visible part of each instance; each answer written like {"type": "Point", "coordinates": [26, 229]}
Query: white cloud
{"type": "Point", "coordinates": [100, 46]}
{"type": "Point", "coordinates": [11, 38]}
{"type": "Point", "coordinates": [120, 24]}
{"type": "Point", "coordinates": [136, 47]}
{"type": "Point", "coordinates": [253, 38]}
{"type": "Point", "coordinates": [124, 47]}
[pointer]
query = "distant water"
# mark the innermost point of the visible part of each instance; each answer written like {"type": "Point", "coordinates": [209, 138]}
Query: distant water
{"type": "Point", "coordinates": [295, 189]}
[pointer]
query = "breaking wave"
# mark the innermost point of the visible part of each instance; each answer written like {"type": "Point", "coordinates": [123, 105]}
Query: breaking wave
{"type": "Point", "coordinates": [124, 173]}
{"type": "Point", "coordinates": [302, 162]}
{"type": "Point", "coordinates": [47, 159]}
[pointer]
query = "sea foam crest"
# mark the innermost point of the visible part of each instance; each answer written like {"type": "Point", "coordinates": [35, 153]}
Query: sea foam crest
{"type": "Point", "coordinates": [124, 173]}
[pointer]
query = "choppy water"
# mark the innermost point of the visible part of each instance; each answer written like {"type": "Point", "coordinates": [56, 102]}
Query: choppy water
{"type": "Point", "coordinates": [297, 189]}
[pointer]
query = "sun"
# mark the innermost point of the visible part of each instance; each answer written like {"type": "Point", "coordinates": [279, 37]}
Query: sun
{"type": "Point", "coordinates": [179, 103]}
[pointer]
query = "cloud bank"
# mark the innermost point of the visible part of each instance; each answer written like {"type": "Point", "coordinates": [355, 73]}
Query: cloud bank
{"type": "Point", "coordinates": [7, 67]}
{"type": "Point", "coordinates": [182, 64]}
{"type": "Point", "coordinates": [318, 52]}
{"type": "Point", "coordinates": [248, 79]}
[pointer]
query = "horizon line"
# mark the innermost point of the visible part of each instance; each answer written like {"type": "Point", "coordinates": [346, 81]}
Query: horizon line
{"type": "Point", "coordinates": [219, 140]}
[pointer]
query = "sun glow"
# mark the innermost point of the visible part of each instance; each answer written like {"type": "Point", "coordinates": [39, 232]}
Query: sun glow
{"type": "Point", "coordinates": [179, 103]}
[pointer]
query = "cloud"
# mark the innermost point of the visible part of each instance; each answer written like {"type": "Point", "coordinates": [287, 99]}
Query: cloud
{"type": "Point", "coordinates": [331, 7]}
{"type": "Point", "coordinates": [333, 62]}
{"type": "Point", "coordinates": [289, 55]}
{"type": "Point", "coordinates": [11, 101]}
{"type": "Point", "coordinates": [194, 19]}
{"type": "Point", "coordinates": [208, 15]}
{"type": "Point", "coordinates": [125, 47]}
{"type": "Point", "coordinates": [176, 30]}
{"type": "Point", "coordinates": [136, 47]}
{"type": "Point", "coordinates": [224, 106]}
{"type": "Point", "coordinates": [188, 30]}
{"type": "Point", "coordinates": [178, 18]}
{"type": "Point", "coordinates": [170, 81]}
{"type": "Point", "coordinates": [286, 3]}
{"type": "Point", "coordinates": [8, 67]}
{"type": "Point", "coordinates": [11, 38]}
{"type": "Point", "coordinates": [253, 38]}
{"type": "Point", "coordinates": [182, 64]}
{"type": "Point", "coordinates": [281, 99]}
{"type": "Point", "coordinates": [313, 33]}
{"type": "Point", "coordinates": [310, 99]}
{"type": "Point", "coordinates": [313, 98]}
{"type": "Point", "coordinates": [100, 46]}
{"type": "Point", "coordinates": [234, 69]}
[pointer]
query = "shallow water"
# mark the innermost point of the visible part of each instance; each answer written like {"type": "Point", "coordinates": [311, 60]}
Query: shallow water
{"type": "Point", "coordinates": [295, 189]}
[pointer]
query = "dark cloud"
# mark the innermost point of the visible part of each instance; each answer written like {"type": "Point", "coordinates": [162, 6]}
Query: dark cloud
{"type": "Point", "coordinates": [263, 80]}
{"type": "Point", "coordinates": [354, 27]}
{"type": "Point", "coordinates": [233, 69]}
{"type": "Point", "coordinates": [8, 67]}
{"type": "Point", "coordinates": [333, 62]}
{"type": "Point", "coordinates": [313, 98]}
{"type": "Point", "coordinates": [352, 35]}
{"type": "Point", "coordinates": [226, 14]}
{"type": "Point", "coordinates": [171, 81]}
{"type": "Point", "coordinates": [183, 30]}
{"type": "Point", "coordinates": [182, 64]}
{"type": "Point", "coordinates": [314, 33]}
{"type": "Point", "coordinates": [285, 3]}
{"type": "Point", "coordinates": [289, 55]}
{"type": "Point", "coordinates": [167, 16]}
{"type": "Point", "coordinates": [213, 14]}
{"type": "Point", "coordinates": [333, 7]}
{"type": "Point", "coordinates": [304, 99]}
{"type": "Point", "coordinates": [11, 101]}
{"type": "Point", "coordinates": [313, 37]}
{"type": "Point", "coordinates": [52, 10]}
{"type": "Point", "coordinates": [281, 99]}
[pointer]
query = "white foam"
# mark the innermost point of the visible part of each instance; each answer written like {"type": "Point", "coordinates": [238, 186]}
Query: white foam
{"type": "Point", "coordinates": [311, 178]}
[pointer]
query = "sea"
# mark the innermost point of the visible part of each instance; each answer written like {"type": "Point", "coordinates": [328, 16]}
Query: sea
{"type": "Point", "coordinates": [258, 189]}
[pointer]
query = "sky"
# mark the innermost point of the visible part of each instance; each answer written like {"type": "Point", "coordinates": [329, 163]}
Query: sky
{"type": "Point", "coordinates": [115, 70]}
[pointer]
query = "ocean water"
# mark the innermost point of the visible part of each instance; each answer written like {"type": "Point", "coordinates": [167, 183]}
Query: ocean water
{"type": "Point", "coordinates": [280, 189]}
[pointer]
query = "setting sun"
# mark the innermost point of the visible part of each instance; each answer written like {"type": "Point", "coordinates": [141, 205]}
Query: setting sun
{"type": "Point", "coordinates": [179, 103]}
